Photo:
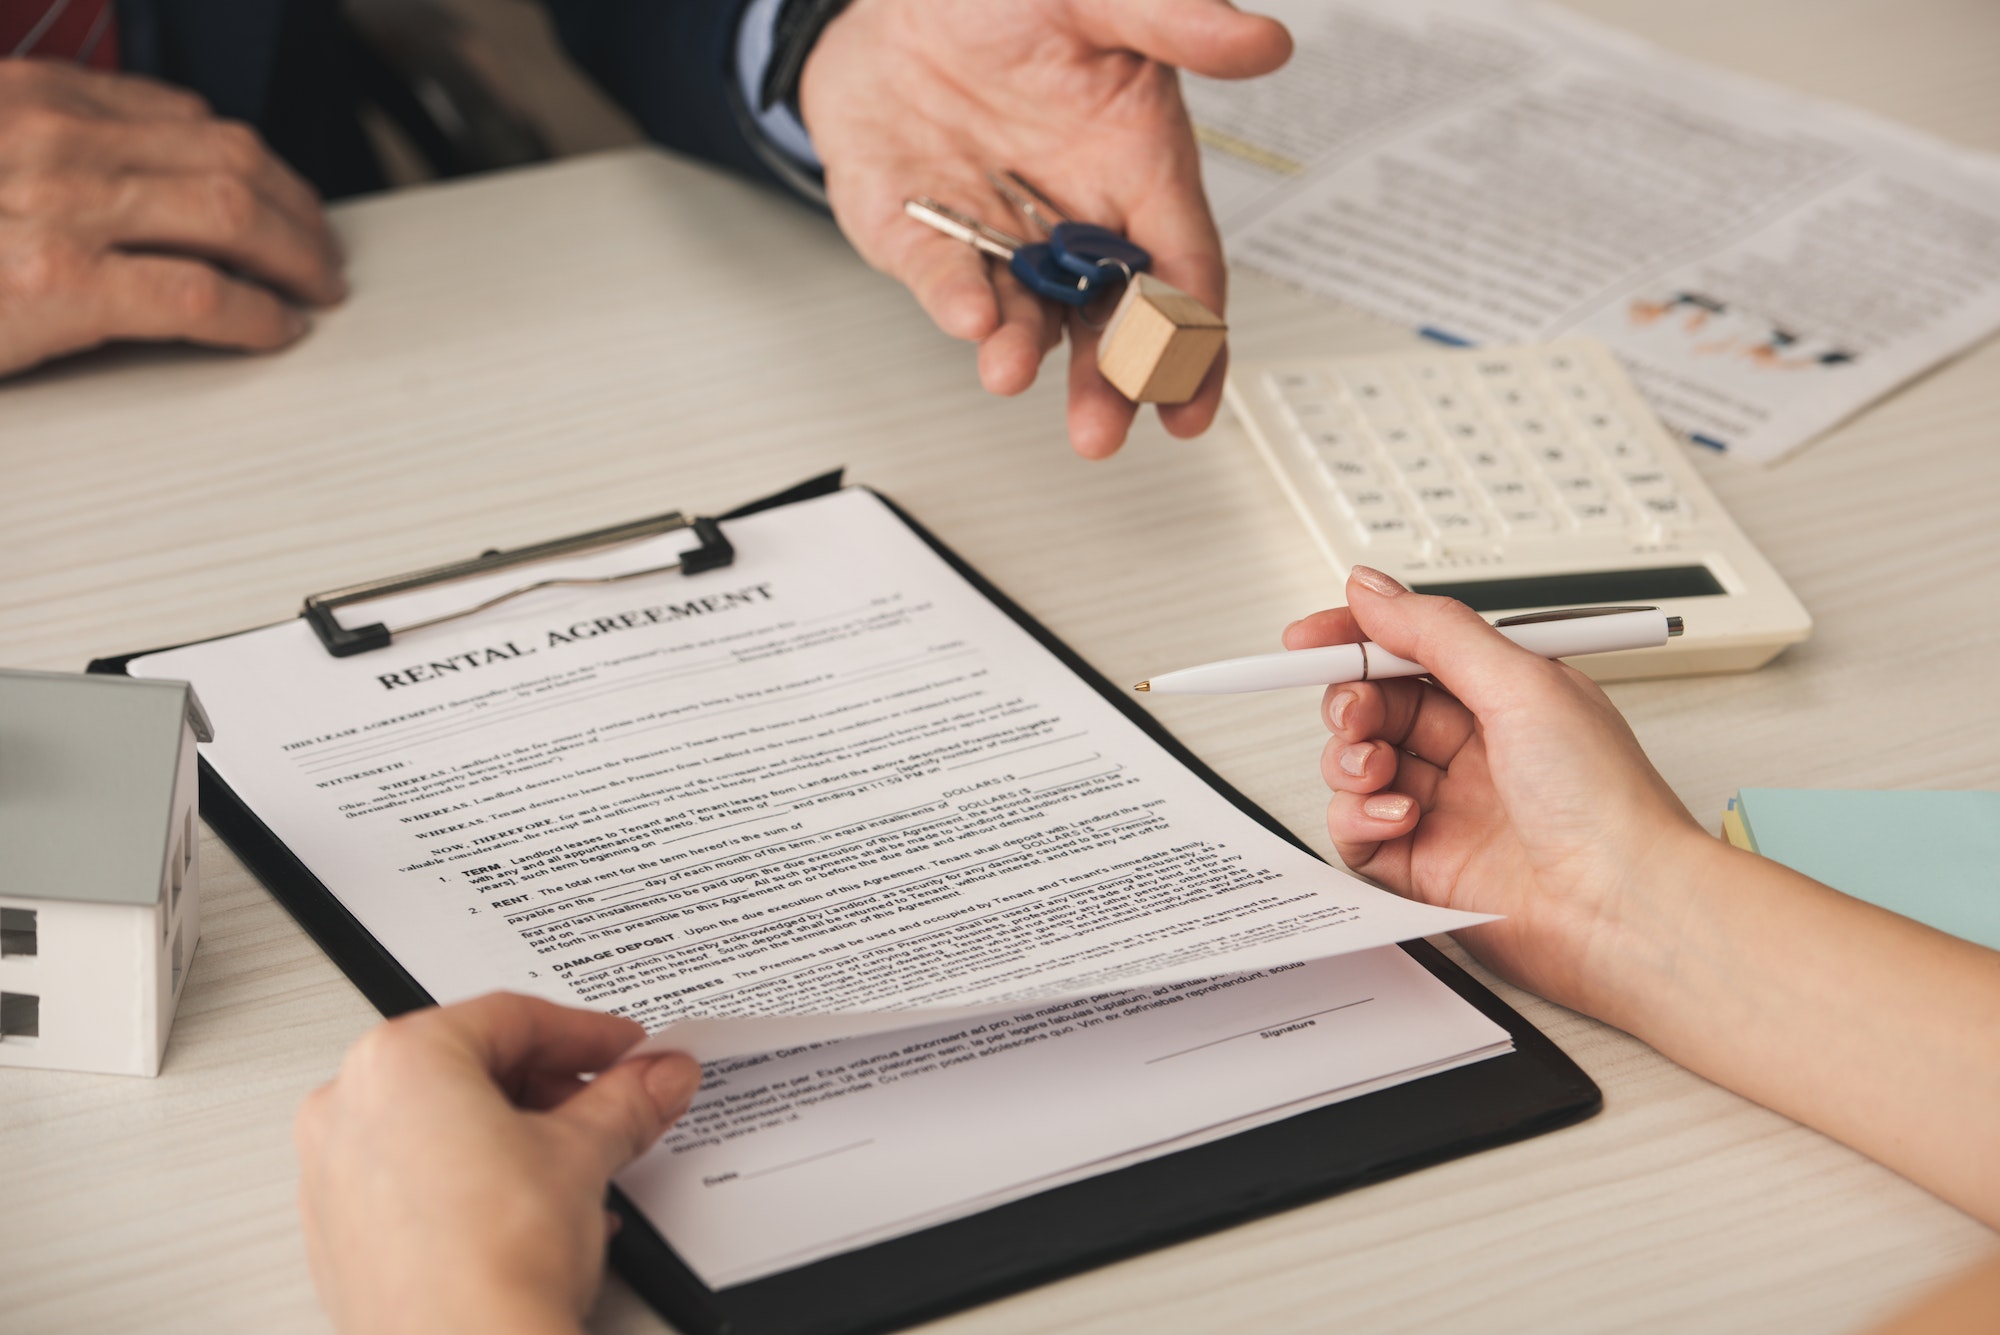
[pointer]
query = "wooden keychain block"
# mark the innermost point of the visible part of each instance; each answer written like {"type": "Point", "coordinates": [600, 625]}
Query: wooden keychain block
{"type": "Point", "coordinates": [1159, 342]}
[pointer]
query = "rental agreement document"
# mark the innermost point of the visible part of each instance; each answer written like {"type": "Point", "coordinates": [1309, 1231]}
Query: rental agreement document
{"type": "Point", "coordinates": [944, 925]}
{"type": "Point", "coordinates": [1496, 171]}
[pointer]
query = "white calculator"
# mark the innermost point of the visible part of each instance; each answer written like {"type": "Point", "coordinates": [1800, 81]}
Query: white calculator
{"type": "Point", "coordinates": [1516, 479]}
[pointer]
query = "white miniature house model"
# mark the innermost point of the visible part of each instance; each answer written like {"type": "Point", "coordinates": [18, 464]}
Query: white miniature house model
{"type": "Point", "coordinates": [99, 906]}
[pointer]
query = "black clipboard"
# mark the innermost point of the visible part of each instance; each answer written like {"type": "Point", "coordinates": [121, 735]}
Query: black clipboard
{"type": "Point", "coordinates": [922, 1275]}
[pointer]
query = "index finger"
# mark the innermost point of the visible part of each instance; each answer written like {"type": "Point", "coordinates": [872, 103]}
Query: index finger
{"type": "Point", "coordinates": [1335, 625]}
{"type": "Point", "coordinates": [1210, 37]}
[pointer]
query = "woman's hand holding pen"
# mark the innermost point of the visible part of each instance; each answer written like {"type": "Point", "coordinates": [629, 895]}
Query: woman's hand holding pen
{"type": "Point", "coordinates": [1519, 790]}
{"type": "Point", "coordinates": [1508, 783]}
{"type": "Point", "coordinates": [452, 1175]}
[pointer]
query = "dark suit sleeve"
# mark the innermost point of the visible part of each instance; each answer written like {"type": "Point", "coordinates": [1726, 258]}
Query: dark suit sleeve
{"type": "Point", "coordinates": [671, 64]}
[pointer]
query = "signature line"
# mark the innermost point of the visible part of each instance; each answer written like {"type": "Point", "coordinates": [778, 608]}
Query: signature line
{"type": "Point", "coordinates": [1273, 1024]}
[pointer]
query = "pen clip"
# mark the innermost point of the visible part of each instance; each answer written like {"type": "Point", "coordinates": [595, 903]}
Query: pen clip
{"type": "Point", "coordinates": [1567, 614]}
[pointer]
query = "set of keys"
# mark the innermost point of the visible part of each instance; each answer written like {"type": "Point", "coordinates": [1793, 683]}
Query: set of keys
{"type": "Point", "coordinates": [1159, 342]}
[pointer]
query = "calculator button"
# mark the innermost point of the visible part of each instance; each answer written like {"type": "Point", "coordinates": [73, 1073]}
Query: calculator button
{"type": "Point", "coordinates": [1467, 432]}
{"type": "Point", "coordinates": [1489, 461]}
{"type": "Point", "coordinates": [1387, 531]}
{"type": "Point", "coordinates": [1581, 394]}
{"type": "Point", "coordinates": [1669, 511]}
{"type": "Point", "coordinates": [1458, 526]}
{"type": "Point", "coordinates": [1629, 450]}
{"type": "Point", "coordinates": [1368, 389]}
{"type": "Point", "coordinates": [1398, 437]}
{"type": "Point", "coordinates": [1647, 482]}
{"type": "Point", "coordinates": [1527, 518]}
{"type": "Point", "coordinates": [1386, 411]}
{"type": "Point", "coordinates": [1556, 457]}
{"type": "Point", "coordinates": [1447, 401]}
{"type": "Point", "coordinates": [1512, 397]}
{"type": "Point", "coordinates": [1440, 497]}
{"type": "Point", "coordinates": [1534, 428]}
{"type": "Point", "coordinates": [1578, 487]}
{"type": "Point", "coordinates": [1421, 466]}
{"type": "Point", "coordinates": [1337, 440]}
{"type": "Point", "coordinates": [1343, 472]}
{"type": "Point", "coordinates": [1314, 413]}
{"type": "Point", "coordinates": [1605, 426]}
{"type": "Point", "coordinates": [1363, 502]}
{"type": "Point", "coordinates": [1509, 491]}
{"type": "Point", "coordinates": [1597, 513]}
{"type": "Point", "coordinates": [1289, 385]}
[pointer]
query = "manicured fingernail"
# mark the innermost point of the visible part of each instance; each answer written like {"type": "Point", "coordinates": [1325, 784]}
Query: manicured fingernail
{"type": "Point", "coordinates": [1354, 759]}
{"type": "Point", "coordinates": [1371, 578]}
{"type": "Point", "coordinates": [1388, 806]}
{"type": "Point", "coordinates": [1286, 633]}
{"type": "Point", "coordinates": [295, 323]}
{"type": "Point", "coordinates": [1337, 711]}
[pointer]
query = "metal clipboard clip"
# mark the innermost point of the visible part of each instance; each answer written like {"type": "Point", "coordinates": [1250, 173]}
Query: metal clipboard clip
{"type": "Point", "coordinates": [713, 553]}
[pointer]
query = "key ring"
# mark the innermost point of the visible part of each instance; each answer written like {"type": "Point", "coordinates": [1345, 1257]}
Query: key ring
{"type": "Point", "coordinates": [1082, 314]}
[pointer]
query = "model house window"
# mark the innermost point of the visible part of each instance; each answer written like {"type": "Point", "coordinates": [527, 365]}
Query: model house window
{"type": "Point", "coordinates": [175, 871]}
{"type": "Point", "coordinates": [178, 961]}
{"type": "Point", "coordinates": [20, 1015]}
{"type": "Point", "coordinates": [17, 932]}
{"type": "Point", "coordinates": [187, 839]}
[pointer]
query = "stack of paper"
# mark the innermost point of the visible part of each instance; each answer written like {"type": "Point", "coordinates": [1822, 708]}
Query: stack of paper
{"type": "Point", "coordinates": [1930, 856]}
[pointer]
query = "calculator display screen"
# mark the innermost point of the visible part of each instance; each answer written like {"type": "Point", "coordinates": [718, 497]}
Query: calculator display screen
{"type": "Point", "coordinates": [1583, 588]}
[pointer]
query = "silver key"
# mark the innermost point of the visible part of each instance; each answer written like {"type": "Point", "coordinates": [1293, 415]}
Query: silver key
{"type": "Point", "coordinates": [981, 237]}
{"type": "Point", "coordinates": [1038, 273]}
{"type": "Point", "coordinates": [1037, 207]}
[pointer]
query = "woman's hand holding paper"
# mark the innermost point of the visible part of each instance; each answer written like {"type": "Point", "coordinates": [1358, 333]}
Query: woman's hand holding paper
{"type": "Point", "coordinates": [452, 1176]}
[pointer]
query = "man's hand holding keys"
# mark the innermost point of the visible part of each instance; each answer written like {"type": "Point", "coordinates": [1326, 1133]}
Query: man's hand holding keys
{"type": "Point", "coordinates": [907, 97]}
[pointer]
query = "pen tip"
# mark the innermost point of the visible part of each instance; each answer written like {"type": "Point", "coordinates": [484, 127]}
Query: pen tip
{"type": "Point", "coordinates": [1143, 686]}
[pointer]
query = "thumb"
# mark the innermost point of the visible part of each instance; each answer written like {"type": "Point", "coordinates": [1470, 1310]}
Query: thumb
{"type": "Point", "coordinates": [625, 1110]}
{"type": "Point", "coordinates": [1210, 37]}
{"type": "Point", "coordinates": [1455, 644]}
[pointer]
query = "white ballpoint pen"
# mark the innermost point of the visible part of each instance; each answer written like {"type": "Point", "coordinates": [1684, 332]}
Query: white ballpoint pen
{"type": "Point", "coordinates": [1559, 634]}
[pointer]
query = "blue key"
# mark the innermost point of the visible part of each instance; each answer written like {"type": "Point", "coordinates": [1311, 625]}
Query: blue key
{"type": "Point", "coordinates": [1085, 248]}
{"type": "Point", "coordinates": [1036, 264]}
{"type": "Point", "coordinates": [1043, 271]}
{"type": "Point", "coordinates": [1082, 248]}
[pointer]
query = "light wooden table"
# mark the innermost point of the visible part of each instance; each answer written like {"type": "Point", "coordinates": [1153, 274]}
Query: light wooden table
{"type": "Point", "coordinates": [528, 356]}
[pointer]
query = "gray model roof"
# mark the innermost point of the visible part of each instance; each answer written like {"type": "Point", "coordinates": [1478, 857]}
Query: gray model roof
{"type": "Point", "coordinates": [87, 768]}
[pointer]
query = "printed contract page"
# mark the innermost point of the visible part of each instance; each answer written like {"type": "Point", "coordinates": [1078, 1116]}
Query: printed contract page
{"type": "Point", "coordinates": [942, 922]}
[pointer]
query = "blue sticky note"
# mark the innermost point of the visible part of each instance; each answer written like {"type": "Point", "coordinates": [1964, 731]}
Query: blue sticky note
{"type": "Point", "coordinates": [1932, 856]}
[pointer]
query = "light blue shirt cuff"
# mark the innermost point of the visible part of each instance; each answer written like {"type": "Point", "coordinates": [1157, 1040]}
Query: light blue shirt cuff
{"type": "Point", "coordinates": [780, 127]}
